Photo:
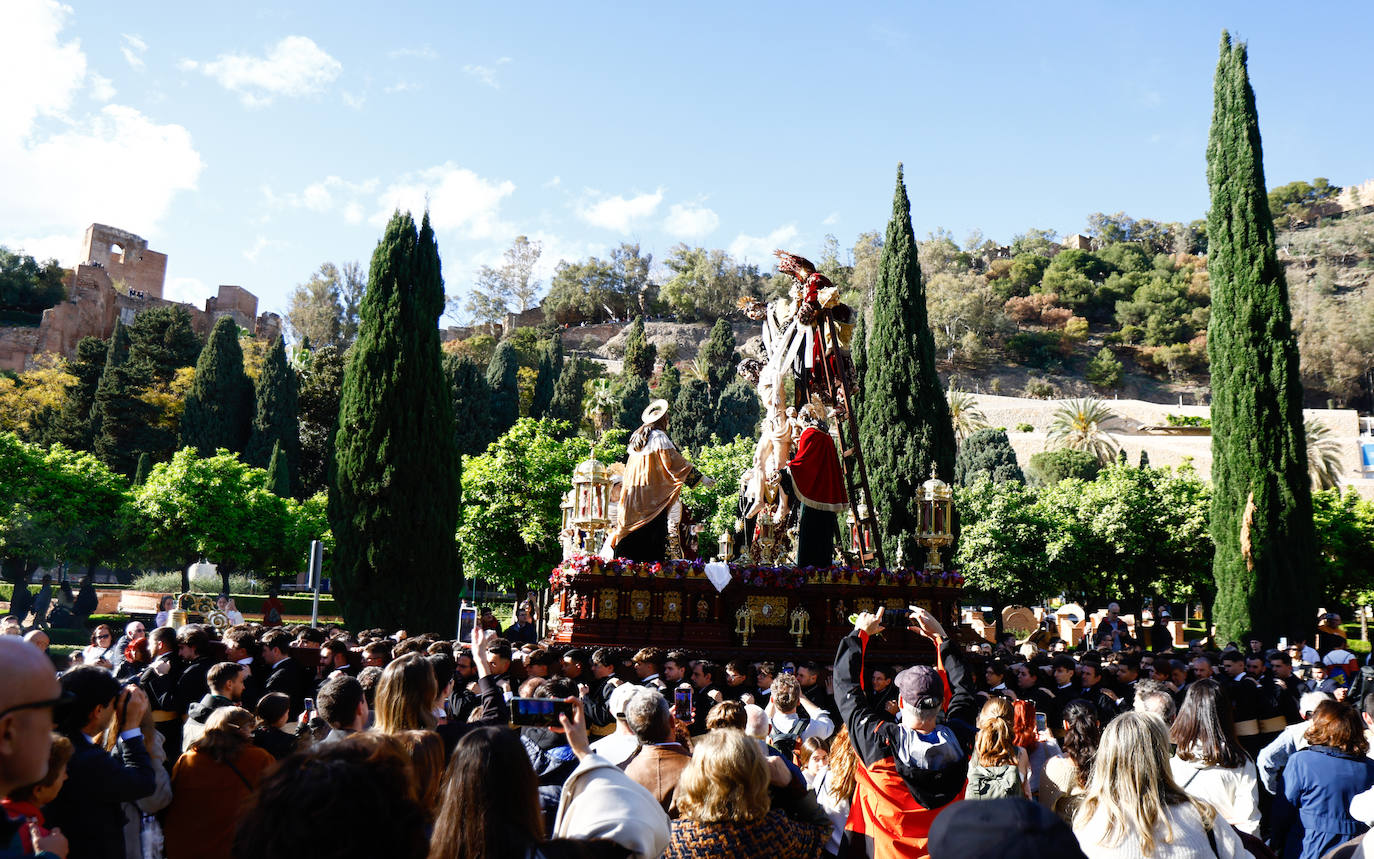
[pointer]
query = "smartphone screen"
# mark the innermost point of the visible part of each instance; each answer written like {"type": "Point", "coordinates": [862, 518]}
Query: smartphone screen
{"type": "Point", "coordinates": [682, 704]}
{"type": "Point", "coordinates": [467, 619]}
{"type": "Point", "coordinates": [538, 712]}
{"type": "Point", "coordinates": [1040, 723]}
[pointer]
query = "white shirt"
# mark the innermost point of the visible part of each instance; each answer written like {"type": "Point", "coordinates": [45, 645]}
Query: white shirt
{"type": "Point", "coordinates": [1181, 823]}
{"type": "Point", "coordinates": [1233, 792]}
{"type": "Point", "coordinates": [617, 748]}
{"type": "Point", "coordinates": [819, 726]}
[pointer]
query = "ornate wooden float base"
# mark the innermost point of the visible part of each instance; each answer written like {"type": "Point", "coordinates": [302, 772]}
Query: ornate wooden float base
{"type": "Point", "coordinates": [795, 613]}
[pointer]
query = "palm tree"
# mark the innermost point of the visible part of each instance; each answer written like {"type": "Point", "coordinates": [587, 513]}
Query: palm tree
{"type": "Point", "coordinates": [1077, 425]}
{"type": "Point", "coordinates": [964, 414]}
{"type": "Point", "coordinates": [1323, 455]}
{"type": "Point", "coordinates": [601, 404]}
{"type": "Point", "coordinates": [699, 368]}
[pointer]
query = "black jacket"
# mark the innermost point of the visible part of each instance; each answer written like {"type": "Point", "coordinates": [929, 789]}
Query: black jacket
{"type": "Point", "coordinates": [289, 678]}
{"type": "Point", "coordinates": [89, 807]}
{"type": "Point", "coordinates": [193, 683]}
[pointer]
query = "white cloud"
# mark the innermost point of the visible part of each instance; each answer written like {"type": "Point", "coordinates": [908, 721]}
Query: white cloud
{"type": "Point", "coordinates": [260, 244]}
{"type": "Point", "coordinates": [690, 222]}
{"type": "Point", "coordinates": [293, 67]}
{"type": "Point", "coordinates": [41, 73]}
{"type": "Point", "coordinates": [458, 199]}
{"type": "Point", "coordinates": [102, 88]}
{"type": "Point", "coordinates": [554, 182]}
{"type": "Point", "coordinates": [332, 193]}
{"type": "Point", "coordinates": [133, 48]}
{"type": "Point", "coordinates": [759, 249]}
{"type": "Point", "coordinates": [353, 212]}
{"type": "Point", "coordinates": [424, 52]}
{"type": "Point", "coordinates": [354, 101]}
{"type": "Point", "coordinates": [401, 86]}
{"type": "Point", "coordinates": [485, 74]}
{"type": "Point", "coordinates": [831, 219]}
{"type": "Point", "coordinates": [63, 247]}
{"type": "Point", "coordinates": [191, 290]}
{"type": "Point", "coordinates": [618, 213]}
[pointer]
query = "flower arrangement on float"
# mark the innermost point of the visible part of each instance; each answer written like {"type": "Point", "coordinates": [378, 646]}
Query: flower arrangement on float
{"type": "Point", "coordinates": [752, 575]}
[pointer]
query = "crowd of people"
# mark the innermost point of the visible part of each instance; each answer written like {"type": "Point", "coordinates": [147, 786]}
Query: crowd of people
{"type": "Point", "coordinates": [268, 741]}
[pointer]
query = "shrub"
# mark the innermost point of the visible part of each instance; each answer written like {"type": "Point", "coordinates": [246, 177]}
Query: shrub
{"type": "Point", "coordinates": [170, 583]}
{"type": "Point", "coordinates": [1104, 370]}
{"type": "Point", "coordinates": [1025, 428]}
{"type": "Point", "coordinates": [1049, 467]}
{"type": "Point", "coordinates": [1040, 389]}
{"type": "Point", "coordinates": [987, 454]}
{"type": "Point", "coordinates": [1032, 348]}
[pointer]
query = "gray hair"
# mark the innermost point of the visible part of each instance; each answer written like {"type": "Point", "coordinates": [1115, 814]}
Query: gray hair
{"type": "Point", "coordinates": [1309, 701]}
{"type": "Point", "coordinates": [646, 714]}
{"type": "Point", "coordinates": [756, 721]}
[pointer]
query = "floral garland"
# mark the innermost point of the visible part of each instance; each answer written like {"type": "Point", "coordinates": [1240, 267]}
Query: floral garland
{"type": "Point", "coordinates": [752, 575]}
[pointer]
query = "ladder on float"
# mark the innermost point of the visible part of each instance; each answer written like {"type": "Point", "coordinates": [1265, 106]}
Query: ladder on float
{"type": "Point", "coordinates": [852, 457]}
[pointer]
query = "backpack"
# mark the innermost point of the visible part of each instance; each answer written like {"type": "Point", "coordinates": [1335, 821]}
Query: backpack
{"type": "Point", "coordinates": [786, 741]}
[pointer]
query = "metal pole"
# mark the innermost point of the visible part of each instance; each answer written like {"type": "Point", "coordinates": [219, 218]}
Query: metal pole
{"type": "Point", "coordinates": [316, 565]}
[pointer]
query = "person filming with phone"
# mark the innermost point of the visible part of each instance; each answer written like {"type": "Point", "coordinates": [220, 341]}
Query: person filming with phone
{"type": "Point", "coordinates": [912, 769]}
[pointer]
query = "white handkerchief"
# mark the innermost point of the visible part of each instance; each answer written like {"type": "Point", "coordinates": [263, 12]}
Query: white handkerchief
{"type": "Point", "coordinates": [719, 574]}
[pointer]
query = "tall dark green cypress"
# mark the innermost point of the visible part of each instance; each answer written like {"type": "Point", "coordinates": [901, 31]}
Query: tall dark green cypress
{"type": "Point", "coordinates": [738, 411]}
{"type": "Point", "coordinates": [276, 417]}
{"type": "Point", "coordinates": [692, 420]}
{"type": "Point", "coordinates": [504, 381]}
{"type": "Point", "coordinates": [1261, 518]}
{"type": "Point", "coordinates": [219, 406]}
{"type": "Point", "coordinates": [634, 399]}
{"type": "Point", "coordinates": [669, 383]}
{"type": "Point", "coordinates": [394, 497]}
{"type": "Point", "coordinates": [640, 354]}
{"type": "Point", "coordinates": [550, 363]}
{"type": "Point", "coordinates": [120, 421]}
{"type": "Point", "coordinates": [718, 351]}
{"type": "Point", "coordinates": [278, 473]}
{"type": "Point", "coordinates": [471, 401]}
{"type": "Point", "coordinates": [905, 418]}
{"type": "Point", "coordinates": [858, 351]}
{"type": "Point", "coordinates": [321, 385]}
{"type": "Point", "coordinates": [72, 427]}
{"type": "Point", "coordinates": [567, 394]}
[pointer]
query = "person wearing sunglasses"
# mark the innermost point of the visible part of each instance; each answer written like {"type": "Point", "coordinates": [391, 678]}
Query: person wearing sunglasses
{"type": "Point", "coordinates": [27, 697]}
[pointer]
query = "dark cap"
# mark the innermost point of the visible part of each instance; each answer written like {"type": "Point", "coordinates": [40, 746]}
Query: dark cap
{"type": "Point", "coordinates": [919, 681]}
{"type": "Point", "coordinates": [1001, 827]}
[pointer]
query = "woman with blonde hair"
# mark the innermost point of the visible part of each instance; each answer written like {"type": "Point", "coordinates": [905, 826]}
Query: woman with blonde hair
{"type": "Point", "coordinates": [999, 767]}
{"type": "Point", "coordinates": [722, 800]}
{"type": "Point", "coordinates": [405, 696]}
{"type": "Point", "coordinates": [211, 783]}
{"type": "Point", "coordinates": [835, 787]}
{"type": "Point", "coordinates": [1133, 807]}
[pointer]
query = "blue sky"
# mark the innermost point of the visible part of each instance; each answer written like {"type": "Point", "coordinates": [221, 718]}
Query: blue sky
{"type": "Point", "coordinates": [253, 142]}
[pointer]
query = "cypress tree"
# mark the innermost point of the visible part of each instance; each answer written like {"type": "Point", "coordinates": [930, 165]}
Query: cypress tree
{"type": "Point", "coordinates": [1144, 459]}
{"type": "Point", "coordinates": [219, 405]}
{"type": "Point", "coordinates": [634, 399]}
{"type": "Point", "coordinates": [692, 419]}
{"type": "Point", "coordinates": [120, 421]}
{"type": "Point", "coordinates": [1261, 517]}
{"type": "Point", "coordinates": [278, 473]}
{"type": "Point", "coordinates": [669, 383]}
{"type": "Point", "coordinates": [145, 465]}
{"type": "Point", "coordinates": [566, 404]}
{"type": "Point", "coordinates": [394, 494]}
{"type": "Point", "coordinates": [905, 418]}
{"type": "Point", "coordinates": [987, 454]}
{"type": "Point", "coordinates": [276, 420]}
{"type": "Point", "coordinates": [72, 426]}
{"type": "Point", "coordinates": [546, 378]}
{"type": "Point", "coordinates": [718, 350]}
{"type": "Point", "coordinates": [858, 351]}
{"type": "Point", "coordinates": [640, 354]}
{"type": "Point", "coordinates": [162, 341]}
{"type": "Point", "coordinates": [503, 379]}
{"type": "Point", "coordinates": [738, 411]}
{"type": "Point", "coordinates": [471, 399]}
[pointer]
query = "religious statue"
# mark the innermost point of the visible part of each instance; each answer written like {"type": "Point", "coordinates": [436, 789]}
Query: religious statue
{"type": "Point", "coordinates": [649, 506]}
{"type": "Point", "coordinates": [813, 475]}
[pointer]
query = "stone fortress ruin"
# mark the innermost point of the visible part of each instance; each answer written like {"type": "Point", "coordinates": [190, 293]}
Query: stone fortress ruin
{"type": "Point", "coordinates": [118, 279]}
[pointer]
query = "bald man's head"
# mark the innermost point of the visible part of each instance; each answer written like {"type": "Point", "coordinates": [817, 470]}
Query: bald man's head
{"type": "Point", "coordinates": [38, 638]}
{"type": "Point", "coordinates": [25, 731]}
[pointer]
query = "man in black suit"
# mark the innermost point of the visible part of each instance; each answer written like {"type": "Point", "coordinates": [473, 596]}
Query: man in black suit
{"type": "Point", "coordinates": [242, 647]}
{"type": "Point", "coordinates": [287, 676]}
{"type": "Point", "coordinates": [89, 809]}
{"type": "Point", "coordinates": [193, 643]}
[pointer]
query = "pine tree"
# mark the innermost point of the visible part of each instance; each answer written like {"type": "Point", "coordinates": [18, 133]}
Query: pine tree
{"type": "Point", "coordinates": [566, 404]}
{"type": "Point", "coordinates": [634, 399]}
{"type": "Point", "coordinates": [471, 401]}
{"type": "Point", "coordinates": [504, 380]}
{"type": "Point", "coordinates": [987, 454]}
{"type": "Point", "coordinates": [692, 420]}
{"type": "Point", "coordinates": [219, 405]}
{"type": "Point", "coordinates": [120, 421]}
{"type": "Point", "coordinates": [162, 341]}
{"type": "Point", "coordinates": [276, 418]}
{"type": "Point", "coordinates": [738, 411]}
{"type": "Point", "coordinates": [718, 351]}
{"type": "Point", "coordinates": [321, 386]}
{"type": "Point", "coordinates": [145, 465]}
{"type": "Point", "coordinates": [394, 498]}
{"type": "Point", "coordinates": [640, 354]}
{"type": "Point", "coordinates": [72, 427]}
{"type": "Point", "coordinates": [1261, 518]}
{"type": "Point", "coordinates": [906, 425]}
{"type": "Point", "coordinates": [278, 473]}
{"type": "Point", "coordinates": [669, 384]}
{"type": "Point", "coordinates": [550, 363]}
